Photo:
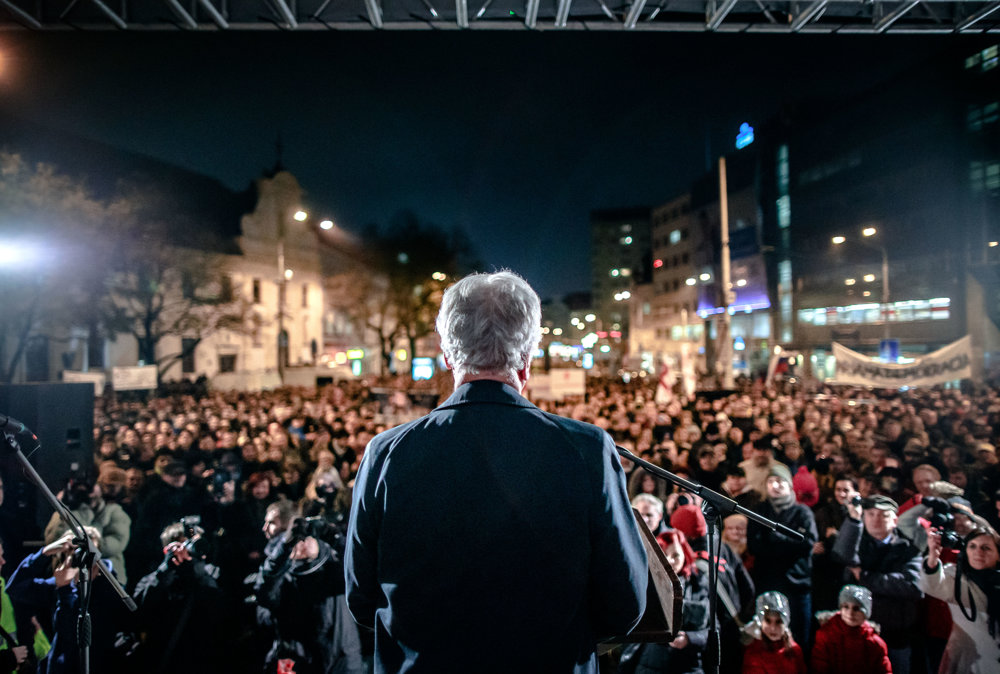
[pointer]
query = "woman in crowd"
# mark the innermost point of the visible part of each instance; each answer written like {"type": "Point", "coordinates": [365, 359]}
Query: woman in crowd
{"type": "Point", "coordinates": [772, 649]}
{"type": "Point", "coordinates": [683, 655]}
{"type": "Point", "coordinates": [971, 586]}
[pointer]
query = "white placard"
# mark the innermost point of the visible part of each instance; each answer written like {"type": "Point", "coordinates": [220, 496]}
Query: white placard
{"type": "Point", "coordinates": [138, 378]}
{"type": "Point", "coordinates": [98, 379]}
{"type": "Point", "coordinates": [946, 364]}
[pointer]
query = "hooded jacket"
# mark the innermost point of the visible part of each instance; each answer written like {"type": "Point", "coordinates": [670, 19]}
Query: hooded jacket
{"type": "Point", "coordinates": [840, 648]}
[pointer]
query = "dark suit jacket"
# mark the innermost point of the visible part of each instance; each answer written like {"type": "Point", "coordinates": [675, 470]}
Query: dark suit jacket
{"type": "Point", "coordinates": [490, 536]}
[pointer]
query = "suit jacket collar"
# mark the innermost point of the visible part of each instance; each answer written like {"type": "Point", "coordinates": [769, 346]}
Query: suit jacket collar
{"type": "Point", "coordinates": [485, 391]}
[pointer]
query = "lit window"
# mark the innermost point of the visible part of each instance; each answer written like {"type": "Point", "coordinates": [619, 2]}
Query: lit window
{"type": "Point", "coordinates": [992, 177]}
{"type": "Point", "coordinates": [989, 58]}
{"type": "Point", "coordinates": [976, 176]}
{"type": "Point", "coordinates": [972, 61]}
{"type": "Point", "coordinates": [675, 236]}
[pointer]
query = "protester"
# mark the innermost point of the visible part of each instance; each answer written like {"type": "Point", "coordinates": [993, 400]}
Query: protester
{"type": "Point", "coordinates": [971, 586]}
{"type": "Point", "coordinates": [684, 654]}
{"type": "Point", "coordinates": [846, 641]}
{"type": "Point", "coordinates": [772, 646]}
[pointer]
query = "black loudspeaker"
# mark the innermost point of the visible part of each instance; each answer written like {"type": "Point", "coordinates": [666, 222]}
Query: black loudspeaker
{"type": "Point", "coordinates": [62, 416]}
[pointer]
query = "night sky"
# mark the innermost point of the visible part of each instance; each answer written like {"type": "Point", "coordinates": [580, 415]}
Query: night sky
{"type": "Point", "coordinates": [513, 136]}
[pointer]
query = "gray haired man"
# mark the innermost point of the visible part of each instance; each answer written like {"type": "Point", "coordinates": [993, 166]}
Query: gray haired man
{"type": "Point", "coordinates": [490, 536]}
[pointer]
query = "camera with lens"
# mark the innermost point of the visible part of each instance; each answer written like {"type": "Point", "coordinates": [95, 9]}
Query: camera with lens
{"type": "Point", "coordinates": [856, 500]}
{"type": "Point", "coordinates": [331, 533]}
{"type": "Point", "coordinates": [304, 527]}
{"type": "Point", "coordinates": [78, 491]}
{"type": "Point", "coordinates": [943, 521]}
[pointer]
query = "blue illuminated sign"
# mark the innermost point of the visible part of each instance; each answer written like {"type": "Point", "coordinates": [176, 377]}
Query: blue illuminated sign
{"type": "Point", "coordinates": [745, 136]}
{"type": "Point", "coordinates": [588, 361]}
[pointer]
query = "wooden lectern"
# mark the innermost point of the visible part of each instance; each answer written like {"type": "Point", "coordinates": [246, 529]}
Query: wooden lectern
{"type": "Point", "coordinates": [664, 596]}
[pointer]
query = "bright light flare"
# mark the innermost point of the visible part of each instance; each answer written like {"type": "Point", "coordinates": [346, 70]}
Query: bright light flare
{"type": "Point", "coordinates": [691, 281]}
{"type": "Point", "coordinates": [994, 244]}
{"type": "Point", "coordinates": [14, 254]}
{"type": "Point", "coordinates": [289, 274]}
{"type": "Point", "coordinates": [850, 281]}
{"type": "Point", "coordinates": [869, 231]}
{"type": "Point", "coordinates": [705, 277]}
{"type": "Point", "coordinates": [837, 240]}
{"type": "Point", "coordinates": [326, 224]}
{"type": "Point", "coordinates": [300, 215]}
{"type": "Point", "coordinates": [869, 278]}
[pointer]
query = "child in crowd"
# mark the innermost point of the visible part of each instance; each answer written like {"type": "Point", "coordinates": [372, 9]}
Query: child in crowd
{"type": "Point", "coordinates": [772, 649]}
{"type": "Point", "coordinates": [846, 641]}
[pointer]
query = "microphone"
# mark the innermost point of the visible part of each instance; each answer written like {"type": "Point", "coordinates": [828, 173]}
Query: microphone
{"type": "Point", "coordinates": [11, 425]}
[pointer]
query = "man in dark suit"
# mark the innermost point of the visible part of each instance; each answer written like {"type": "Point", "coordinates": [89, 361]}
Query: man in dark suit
{"type": "Point", "coordinates": [490, 536]}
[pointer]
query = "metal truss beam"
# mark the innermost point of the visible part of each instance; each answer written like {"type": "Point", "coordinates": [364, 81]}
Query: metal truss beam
{"type": "Point", "coordinates": [846, 17]}
{"type": "Point", "coordinates": [720, 14]}
{"type": "Point", "coordinates": [374, 13]}
{"type": "Point", "coordinates": [286, 13]}
{"type": "Point", "coordinates": [531, 13]}
{"type": "Point", "coordinates": [215, 15]}
{"type": "Point", "coordinates": [811, 12]}
{"type": "Point", "coordinates": [182, 14]}
{"type": "Point", "coordinates": [562, 13]}
{"type": "Point", "coordinates": [634, 12]}
{"type": "Point", "coordinates": [977, 17]}
{"type": "Point", "coordinates": [106, 11]}
{"type": "Point", "coordinates": [895, 15]}
{"type": "Point", "coordinates": [21, 15]}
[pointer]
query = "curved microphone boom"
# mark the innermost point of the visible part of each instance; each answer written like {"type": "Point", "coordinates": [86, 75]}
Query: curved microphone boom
{"type": "Point", "coordinates": [12, 425]}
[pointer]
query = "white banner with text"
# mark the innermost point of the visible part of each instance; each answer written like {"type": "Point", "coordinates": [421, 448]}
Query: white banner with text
{"type": "Point", "coordinates": [948, 363]}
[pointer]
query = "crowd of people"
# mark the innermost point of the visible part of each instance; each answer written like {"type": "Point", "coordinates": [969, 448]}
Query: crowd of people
{"type": "Point", "coordinates": [224, 516]}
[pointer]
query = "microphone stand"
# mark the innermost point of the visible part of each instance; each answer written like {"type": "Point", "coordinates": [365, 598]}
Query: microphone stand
{"type": "Point", "coordinates": [86, 556]}
{"type": "Point", "coordinates": [716, 507]}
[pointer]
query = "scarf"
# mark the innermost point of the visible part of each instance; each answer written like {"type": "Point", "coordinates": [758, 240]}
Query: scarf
{"type": "Point", "coordinates": [782, 503]}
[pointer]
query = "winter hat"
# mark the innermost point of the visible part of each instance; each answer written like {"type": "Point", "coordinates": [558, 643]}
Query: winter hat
{"type": "Point", "coordinates": [110, 475]}
{"type": "Point", "coordinates": [855, 594]}
{"type": "Point", "coordinates": [690, 520]}
{"type": "Point", "coordinates": [773, 602]}
{"type": "Point", "coordinates": [780, 470]}
{"type": "Point", "coordinates": [805, 487]}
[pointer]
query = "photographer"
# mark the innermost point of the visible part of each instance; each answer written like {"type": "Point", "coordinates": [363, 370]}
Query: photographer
{"type": "Point", "coordinates": [301, 583]}
{"type": "Point", "coordinates": [45, 585]}
{"type": "Point", "coordinates": [971, 586]}
{"type": "Point", "coordinates": [94, 504]}
{"type": "Point", "coordinates": [181, 608]}
{"type": "Point", "coordinates": [875, 556]}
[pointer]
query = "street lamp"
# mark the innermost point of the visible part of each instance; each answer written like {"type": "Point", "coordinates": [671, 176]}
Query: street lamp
{"type": "Point", "coordinates": [869, 232]}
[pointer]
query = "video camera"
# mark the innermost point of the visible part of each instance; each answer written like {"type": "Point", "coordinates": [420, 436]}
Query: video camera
{"type": "Point", "coordinates": [942, 520]}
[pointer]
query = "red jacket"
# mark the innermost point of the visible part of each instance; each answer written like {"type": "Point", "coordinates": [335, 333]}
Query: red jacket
{"type": "Point", "coordinates": [858, 650]}
{"type": "Point", "coordinates": [771, 657]}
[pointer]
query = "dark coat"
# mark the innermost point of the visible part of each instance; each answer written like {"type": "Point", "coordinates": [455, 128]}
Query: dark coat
{"type": "Point", "coordinates": [185, 600]}
{"type": "Point", "coordinates": [490, 536]}
{"type": "Point", "coordinates": [891, 571]}
{"type": "Point", "coordinates": [300, 595]}
{"type": "Point", "coordinates": [656, 658]}
{"type": "Point", "coordinates": [780, 562]}
{"type": "Point", "coordinates": [33, 591]}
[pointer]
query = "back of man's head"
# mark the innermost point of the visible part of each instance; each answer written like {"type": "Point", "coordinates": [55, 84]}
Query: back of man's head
{"type": "Point", "coordinates": [490, 324]}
